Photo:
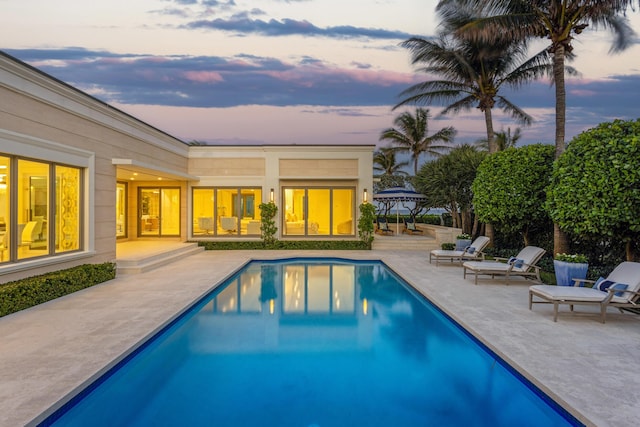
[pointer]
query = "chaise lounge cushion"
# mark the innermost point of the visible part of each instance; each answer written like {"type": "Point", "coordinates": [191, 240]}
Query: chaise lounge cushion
{"type": "Point", "coordinates": [573, 293]}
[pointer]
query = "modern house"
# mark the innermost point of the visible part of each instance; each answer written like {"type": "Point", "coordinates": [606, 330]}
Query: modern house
{"type": "Point", "coordinates": [78, 177]}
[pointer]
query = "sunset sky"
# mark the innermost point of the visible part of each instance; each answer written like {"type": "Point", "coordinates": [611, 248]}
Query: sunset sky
{"type": "Point", "coordinates": [283, 71]}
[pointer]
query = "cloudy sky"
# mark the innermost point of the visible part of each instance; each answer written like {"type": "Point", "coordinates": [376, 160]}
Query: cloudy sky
{"type": "Point", "coordinates": [283, 71]}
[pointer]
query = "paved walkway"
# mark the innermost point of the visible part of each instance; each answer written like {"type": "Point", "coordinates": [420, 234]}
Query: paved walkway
{"type": "Point", "coordinates": [49, 351]}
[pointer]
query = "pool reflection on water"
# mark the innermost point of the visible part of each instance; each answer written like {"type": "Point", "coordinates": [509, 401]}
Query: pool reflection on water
{"type": "Point", "coordinates": [312, 342]}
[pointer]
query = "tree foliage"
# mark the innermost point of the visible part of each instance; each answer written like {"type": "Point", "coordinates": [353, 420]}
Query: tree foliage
{"type": "Point", "coordinates": [385, 163]}
{"type": "Point", "coordinates": [447, 182]}
{"type": "Point", "coordinates": [471, 73]}
{"type": "Point", "coordinates": [558, 21]}
{"type": "Point", "coordinates": [411, 136]}
{"type": "Point", "coordinates": [510, 188]}
{"type": "Point", "coordinates": [595, 186]}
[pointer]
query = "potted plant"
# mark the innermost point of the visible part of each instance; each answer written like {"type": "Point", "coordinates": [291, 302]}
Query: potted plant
{"type": "Point", "coordinates": [462, 241]}
{"type": "Point", "coordinates": [568, 267]}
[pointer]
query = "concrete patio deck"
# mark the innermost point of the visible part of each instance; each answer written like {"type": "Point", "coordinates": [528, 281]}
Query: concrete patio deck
{"type": "Point", "coordinates": [49, 351]}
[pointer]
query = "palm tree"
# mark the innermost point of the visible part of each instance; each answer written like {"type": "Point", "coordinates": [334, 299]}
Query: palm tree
{"type": "Point", "coordinates": [411, 136]}
{"type": "Point", "coordinates": [556, 20]}
{"type": "Point", "coordinates": [472, 75]}
{"type": "Point", "coordinates": [502, 139]}
{"type": "Point", "coordinates": [384, 161]}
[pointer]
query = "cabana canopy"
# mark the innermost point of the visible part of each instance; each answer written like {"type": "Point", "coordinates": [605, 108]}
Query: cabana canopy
{"type": "Point", "coordinates": [397, 195]}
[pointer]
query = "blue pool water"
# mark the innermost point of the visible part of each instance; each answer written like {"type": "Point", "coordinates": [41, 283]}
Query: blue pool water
{"type": "Point", "coordinates": [312, 342]}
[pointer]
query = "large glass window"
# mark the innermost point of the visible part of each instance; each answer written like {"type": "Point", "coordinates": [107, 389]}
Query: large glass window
{"type": "Point", "coordinates": [203, 217]}
{"type": "Point", "coordinates": [342, 212]}
{"type": "Point", "coordinates": [33, 209]}
{"type": "Point", "coordinates": [67, 219]}
{"type": "Point", "coordinates": [40, 208]}
{"type": "Point", "coordinates": [5, 212]}
{"type": "Point", "coordinates": [226, 211]}
{"type": "Point", "coordinates": [318, 211]}
{"type": "Point", "coordinates": [121, 209]}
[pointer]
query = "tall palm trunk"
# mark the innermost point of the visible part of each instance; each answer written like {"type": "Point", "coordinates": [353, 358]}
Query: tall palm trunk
{"type": "Point", "coordinates": [560, 238]}
{"type": "Point", "coordinates": [488, 119]}
{"type": "Point", "coordinates": [492, 149]}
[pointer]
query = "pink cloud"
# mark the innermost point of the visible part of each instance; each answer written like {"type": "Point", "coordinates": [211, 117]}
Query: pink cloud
{"type": "Point", "coordinates": [308, 75]}
{"type": "Point", "coordinates": [583, 92]}
{"type": "Point", "coordinates": [203, 76]}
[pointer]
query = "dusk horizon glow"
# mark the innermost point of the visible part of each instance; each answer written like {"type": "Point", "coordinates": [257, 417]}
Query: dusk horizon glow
{"type": "Point", "coordinates": [285, 71]}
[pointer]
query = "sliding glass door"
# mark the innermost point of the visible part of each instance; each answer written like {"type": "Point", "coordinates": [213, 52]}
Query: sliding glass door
{"type": "Point", "coordinates": [159, 213]}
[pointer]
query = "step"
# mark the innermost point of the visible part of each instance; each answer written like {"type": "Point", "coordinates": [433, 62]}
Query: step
{"type": "Point", "coordinates": [404, 243]}
{"type": "Point", "coordinates": [151, 261]}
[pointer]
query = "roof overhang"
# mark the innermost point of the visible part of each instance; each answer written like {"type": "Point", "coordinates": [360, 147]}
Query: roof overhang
{"type": "Point", "coordinates": [129, 169]}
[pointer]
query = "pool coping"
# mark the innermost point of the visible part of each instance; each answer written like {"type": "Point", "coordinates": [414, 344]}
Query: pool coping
{"type": "Point", "coordinates": [53, 350]}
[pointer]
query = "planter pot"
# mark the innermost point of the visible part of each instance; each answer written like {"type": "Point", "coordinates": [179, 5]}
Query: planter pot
{"type": "Point", "coordinates": [461, 244]}
{"type": "Point", "coordinates": [567, 271]}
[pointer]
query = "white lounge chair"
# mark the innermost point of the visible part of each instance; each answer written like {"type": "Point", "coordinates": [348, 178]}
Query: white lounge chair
{"type": "Point", "coordinates": [473, 252]}
{"type": "Point", "coordinates": [627, 273]}
{"type": "Point", "coordinates": [523, 264]}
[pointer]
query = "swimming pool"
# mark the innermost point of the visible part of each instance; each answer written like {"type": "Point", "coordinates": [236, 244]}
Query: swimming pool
{"type": "Point", "coordinates": [312, 342]}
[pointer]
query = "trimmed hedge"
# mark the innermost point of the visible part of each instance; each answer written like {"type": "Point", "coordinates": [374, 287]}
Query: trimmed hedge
{"type": "Point", "coordinates": [25, 293]}
{"type": "Point", "coordinates": [288, 244]}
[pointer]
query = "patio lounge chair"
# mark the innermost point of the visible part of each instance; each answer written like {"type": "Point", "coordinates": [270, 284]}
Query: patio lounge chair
{"type": "Point", "coordinates": [472, 252]}
{"type": "Point", "coordinates": [383, 226]}
{"type": "Point", "coordinates": [523, 264]}
{"type": "Point", "coordinates": [616, 295]}
{"type": "Point", "coordinates": [411, 228]}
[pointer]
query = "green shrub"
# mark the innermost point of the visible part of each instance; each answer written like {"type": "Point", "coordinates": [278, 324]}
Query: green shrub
{"type": "Point", "coordinates": [268, 228]}
{"type": "Point", "coordinates": [429, 219]}
{"type": "Point", "coordinates": [365, 223]}
{"type": "Point", "coordinates": [594, 185]}
{"type": "Point", "coordinates": [25, 293]}
{"type": "Point", "coordinates": [448, 246]}
{"type": "Point", "coordinates": [288, 244]}
{"type": "Point", "coordinates": [510, 189]}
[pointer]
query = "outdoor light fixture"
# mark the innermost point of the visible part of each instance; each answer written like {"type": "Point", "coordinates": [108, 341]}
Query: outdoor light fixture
{"type": "Point", "coordinates": [271, 195]}
{"type": "Point", "coordinates": [364, 195]}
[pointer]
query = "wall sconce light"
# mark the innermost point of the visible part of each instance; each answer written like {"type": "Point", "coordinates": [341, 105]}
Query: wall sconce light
{"type": "Point", "coordinates": [271, 195]}
{"type": "Point", "coordinates": [364, 196]}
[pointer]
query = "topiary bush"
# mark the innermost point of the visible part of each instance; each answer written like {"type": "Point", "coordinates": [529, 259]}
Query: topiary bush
{"type": "Point", "coordinates": [595, 185]}
{"type": "Point", "coordinates": [21, 294]}
{"type": "Point", "coordinates": [510, 189]}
